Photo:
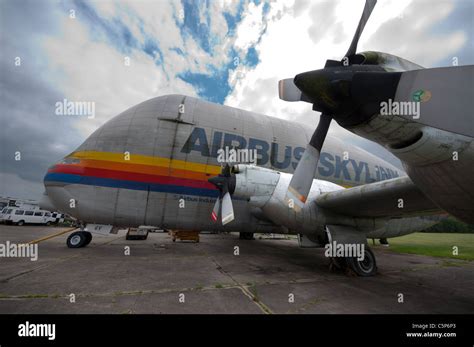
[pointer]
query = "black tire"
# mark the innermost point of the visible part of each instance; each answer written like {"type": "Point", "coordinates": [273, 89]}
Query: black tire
{"type": "Point", "coordinates": [77, 239]}
{"type": "Point", "coordinates": [366, 267]}
{"type": "Point", "coordinates": [88, 238]}
{"type": "Point", "coordinates": [48, 224]}
{"type": "Point", "coordinates": [246, 236]}
{"type": "Point", "coordinates": [20, 223]}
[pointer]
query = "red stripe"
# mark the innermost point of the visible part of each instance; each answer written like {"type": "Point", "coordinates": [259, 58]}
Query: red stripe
{"type": "Point", "coordinates": [214, 216]}
{"type": "Point", "coordinates": [67, 168]}
{"type": "Point", "coordinates": [130, 176]}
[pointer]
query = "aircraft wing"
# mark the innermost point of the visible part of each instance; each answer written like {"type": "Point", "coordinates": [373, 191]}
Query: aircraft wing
{"type": "Point", "coordinates": [379, 199]}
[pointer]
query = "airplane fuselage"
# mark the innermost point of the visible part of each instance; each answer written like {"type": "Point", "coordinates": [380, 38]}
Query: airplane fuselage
{"type": "Point", "coordinates": [150, 165]}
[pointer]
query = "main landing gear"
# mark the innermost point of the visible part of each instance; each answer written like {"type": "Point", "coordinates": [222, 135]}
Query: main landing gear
{"type": "Point", "coordinates": [364, 268]}
{"type": "Point", "coordinates": [79, 239]}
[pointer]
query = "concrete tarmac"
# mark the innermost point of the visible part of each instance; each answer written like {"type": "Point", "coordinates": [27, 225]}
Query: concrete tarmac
{"type": "Point", "coordinates": [267, 276]}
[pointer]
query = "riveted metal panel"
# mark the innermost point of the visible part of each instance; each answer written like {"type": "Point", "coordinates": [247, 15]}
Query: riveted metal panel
{"type": "Point", "coordinates": [130, 208]}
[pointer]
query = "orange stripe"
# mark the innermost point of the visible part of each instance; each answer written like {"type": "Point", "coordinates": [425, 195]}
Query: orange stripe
{"type": "Point", "coordinates": [144, 169]}
{"type": "Point", "coordinates": [147, 160]}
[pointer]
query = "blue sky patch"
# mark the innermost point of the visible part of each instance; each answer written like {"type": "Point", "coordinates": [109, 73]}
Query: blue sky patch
{"type": "Point", "coordinates": [212, 86]}
{"type": "Point", "coordinates": [251, 58]}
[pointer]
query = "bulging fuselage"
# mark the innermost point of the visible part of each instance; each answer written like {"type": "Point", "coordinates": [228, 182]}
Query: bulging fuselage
{"type": "Point", "coordinates": [150, 165]}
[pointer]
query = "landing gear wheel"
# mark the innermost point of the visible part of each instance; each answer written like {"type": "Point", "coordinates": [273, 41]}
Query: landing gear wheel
{"type": "Point", "coordinates": [77, 239]}
{"type": "Point", "coordinates": [246, 236]}
{"type": "Point", "coordinates": [366, 267]}
{"type": "Point", "coordinates": [88, 238]}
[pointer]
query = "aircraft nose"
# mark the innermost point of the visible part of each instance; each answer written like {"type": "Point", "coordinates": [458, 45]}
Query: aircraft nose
{"type": "Point", "coordinates": [57, 198]}
{"type": "Point", "coordinates": [56, 181]}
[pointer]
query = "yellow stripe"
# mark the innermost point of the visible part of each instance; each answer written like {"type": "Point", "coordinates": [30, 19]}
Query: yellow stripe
{"type": "Point", "coordinates": [51, 236]}
{"type": "Point", "coordinates": [147, 160]}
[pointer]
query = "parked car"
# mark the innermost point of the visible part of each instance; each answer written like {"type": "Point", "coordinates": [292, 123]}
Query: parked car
{"type": "Point", "coordinates": [19, 216]}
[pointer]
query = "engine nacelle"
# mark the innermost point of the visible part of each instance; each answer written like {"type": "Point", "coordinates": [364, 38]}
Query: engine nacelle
{"type": "Point", "coordinates": [255, 184]}
{"type": "Point", "coordinates": [266, 189]}
{"type": "Point", "coordinates": [431, 146]}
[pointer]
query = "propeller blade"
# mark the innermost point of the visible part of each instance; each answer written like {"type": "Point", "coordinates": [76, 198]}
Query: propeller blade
{"type": "Point", "coordinates": [369, 6]}
{"type": "Point", "coordinates": [215, 210]}
{"type": "Point", "coordinates": [288, 91]}
{"type": "Point", "coordinates": [227, 209]}
{"type": "Point", "coordinates": [303, 176]}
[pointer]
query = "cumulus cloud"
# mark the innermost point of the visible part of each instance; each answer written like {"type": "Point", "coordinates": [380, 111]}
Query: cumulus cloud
{"type": "Point", "coordinates": [251, 27]}
{"type": "Point", "coordinates": [32, 136]}
{"type": "Point", "coordinates": [410, 35]}
{"type": "Point", "coordinates": [186, 47]}
{"type": "Point", "coordinates": [85, 58]}
{"type": "Point", "coordinates": [94, 71]}
{"type": "Point", "coordinates": [12, 185]}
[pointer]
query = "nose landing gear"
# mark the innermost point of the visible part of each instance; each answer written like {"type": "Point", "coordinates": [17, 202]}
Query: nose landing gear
{"type": "Point", "coordinates": [79, 239]}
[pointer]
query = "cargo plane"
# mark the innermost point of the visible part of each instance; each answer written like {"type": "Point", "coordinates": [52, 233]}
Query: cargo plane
{"type": "Point", "coordinates": [156, 163]}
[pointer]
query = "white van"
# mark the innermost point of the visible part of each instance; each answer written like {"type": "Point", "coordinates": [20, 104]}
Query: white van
{"type": "Point", "coordinates": [20, 216]}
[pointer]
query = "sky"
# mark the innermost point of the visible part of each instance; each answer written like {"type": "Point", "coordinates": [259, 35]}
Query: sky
{"type": "Point", "coordinates": [232, 52]}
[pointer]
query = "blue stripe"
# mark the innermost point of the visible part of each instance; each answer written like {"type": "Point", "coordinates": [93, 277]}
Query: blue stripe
{"type": "Point", "coordinates": [113, 183]}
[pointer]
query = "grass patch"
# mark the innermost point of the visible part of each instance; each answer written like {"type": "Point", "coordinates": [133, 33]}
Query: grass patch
{"type": "Point", "coordinates": [34, 296]}
{"type": "Point", "coordinates": [434, 245]}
